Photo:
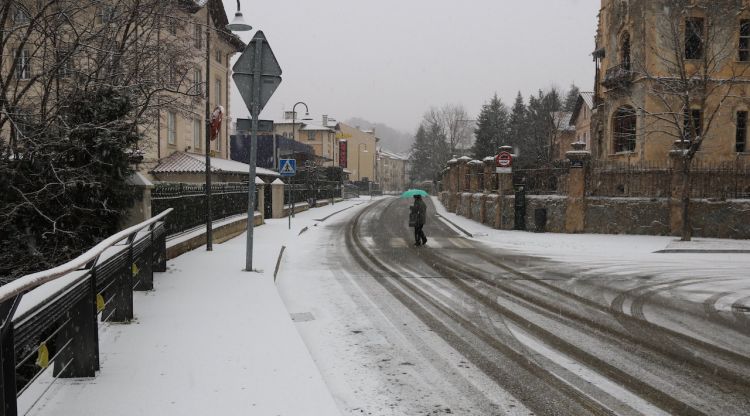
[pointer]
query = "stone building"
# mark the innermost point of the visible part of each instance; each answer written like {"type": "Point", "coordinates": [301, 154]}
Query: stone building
{"type": "Point", "coordinates": [581, 119]}
{"type": "Point", "coordinates": [321, 137]}
{"type": "Point", "coordinates": [667, 70]}
{"type": "Point", "coordinates": [391, 171]}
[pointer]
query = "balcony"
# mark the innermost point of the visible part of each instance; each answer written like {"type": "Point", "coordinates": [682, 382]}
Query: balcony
{"type": "Point", "coordinates": [618, 76]}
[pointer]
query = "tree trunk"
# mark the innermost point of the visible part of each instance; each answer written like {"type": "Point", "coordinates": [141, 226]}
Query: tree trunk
{"type": "Point", "coordinates": [687, 229]}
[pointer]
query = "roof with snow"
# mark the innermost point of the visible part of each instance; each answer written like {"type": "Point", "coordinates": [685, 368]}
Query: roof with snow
{"type": "Point", "coordinates": [314, 127]}
{"type": "Point", "coordinates": [561, 120]}
{"type": "Point", "coordinates": [181, 162]}
{"type": "Point", "coordinates": [586, 98]}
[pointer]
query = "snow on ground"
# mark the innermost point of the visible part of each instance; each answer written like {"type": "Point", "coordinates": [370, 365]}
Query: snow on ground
{"type": "Point", "coordinates": [622, 256]}
{"type": "Point", "coordinates": [209, 339]}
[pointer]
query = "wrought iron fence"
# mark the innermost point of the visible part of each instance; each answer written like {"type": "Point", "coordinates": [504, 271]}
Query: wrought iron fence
{"type": "Point", "coordinates": [58, 327]}
{"type": "Point", "coordinates": [311, 192]}
{"type": "Point", "coordinates": [189, 203]}
{"type": "Point", "coordinates": [650, 180]}
{"type": "Point", "coordinates": [634, 181]}
{"type": "Point", "coordinates": [549, 180]}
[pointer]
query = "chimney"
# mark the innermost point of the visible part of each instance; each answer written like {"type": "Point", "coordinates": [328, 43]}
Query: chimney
{"type": "Point", "coordinates": [325, 120]}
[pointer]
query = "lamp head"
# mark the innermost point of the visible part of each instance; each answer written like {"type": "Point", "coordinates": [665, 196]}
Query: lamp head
{"type": "Point", "coordinates": [238, 23]}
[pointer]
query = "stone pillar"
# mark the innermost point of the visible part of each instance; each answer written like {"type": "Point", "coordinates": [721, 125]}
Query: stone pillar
{"type": "Point", "coordinates": [575, 211]}
{"type": "Point", "coordinates": [490, 178]}
{"type": "Point", "coordinates": [463, 170]}
{"type": "Point", "coordinates": [277, 199]}
{"type": "Point", "coordinates": [261, 187]}
{"type": "Point", "coordinates": [475, 169]}
{"type": "Point", "coordinates": [452, 184]}
{"type": "Point", "coordinates": [141, 209]}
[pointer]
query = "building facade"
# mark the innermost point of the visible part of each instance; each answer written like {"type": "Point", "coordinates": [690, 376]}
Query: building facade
{"type": "Point", "coordinates": [669, 71]}
{"type": "Point", "coordinates": [154, 52]}
{"type": "Point", "coordinates": [391, 171]}
{"type": "Point", "coordinates": [581, 119]}
{"type": "Point", "coordinates": [361, 151]}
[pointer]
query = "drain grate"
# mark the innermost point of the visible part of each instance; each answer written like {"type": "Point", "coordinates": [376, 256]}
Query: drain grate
{"type": "Point", "coordinates": [302, 317]}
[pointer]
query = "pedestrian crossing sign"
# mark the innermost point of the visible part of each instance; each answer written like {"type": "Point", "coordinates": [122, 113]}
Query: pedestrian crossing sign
{"type": "Point", "coordinates": [287, 167]}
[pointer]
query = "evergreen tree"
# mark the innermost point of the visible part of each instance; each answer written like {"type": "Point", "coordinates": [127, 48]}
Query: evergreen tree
{"type": "Point", "coordinates": [571, 97]}
{"type": "Point", "coordinates": [66, 189]}
{"type": "Point", "coordinates": [517, 125]}
{"type": "Point", "coordinates": [492, 129]}
{"type": "Point", "coordinates": [429, 153]}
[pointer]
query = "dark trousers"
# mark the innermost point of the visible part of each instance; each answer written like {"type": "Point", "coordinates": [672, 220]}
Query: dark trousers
{"type": "Point", "coordinates": [419, 237]}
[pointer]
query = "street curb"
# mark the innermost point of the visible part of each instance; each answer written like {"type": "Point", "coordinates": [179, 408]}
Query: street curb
{"type": "Point", "coordinates": [690, 250]}
{"type": "Point", "coordinates": [468, 234]}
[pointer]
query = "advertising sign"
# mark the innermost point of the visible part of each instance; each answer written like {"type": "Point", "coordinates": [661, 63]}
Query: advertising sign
{"type": "Point", "coordinates": [342, 153]}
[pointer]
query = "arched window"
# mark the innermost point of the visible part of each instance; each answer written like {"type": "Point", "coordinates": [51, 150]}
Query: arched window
{"type": "Point", "coordinates": [625, 51]}
{"type": "Point", "coordinates": [623, 129]}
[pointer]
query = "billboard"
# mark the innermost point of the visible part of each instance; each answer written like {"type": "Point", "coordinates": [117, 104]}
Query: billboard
{"type": "Point", "coordinates": [342, 153]}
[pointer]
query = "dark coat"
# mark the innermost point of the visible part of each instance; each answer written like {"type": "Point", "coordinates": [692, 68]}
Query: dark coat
{"type": "Point", "coordinates": [420, 208]}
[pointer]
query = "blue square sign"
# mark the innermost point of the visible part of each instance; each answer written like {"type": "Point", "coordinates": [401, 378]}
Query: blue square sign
{"type": "Point", "coordinates": [288, 167]}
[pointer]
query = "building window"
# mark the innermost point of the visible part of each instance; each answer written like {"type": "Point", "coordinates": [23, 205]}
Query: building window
{"type": "Point", "coordinates": [694, 38]}
{"type": "Point", "coordinates": [625, 51]}
{"type": "Point", "coordinates": [197, 81]}
{"type": "Point", "coordinates": [198, 36]}
{"type": "Point", "coordinates": [741, 143]}
{"type": "Point", "coordinates": [219, 58]}
{"type": "Point", "coordinates": [106, 14]}
{"type": "Point", "coordinates": [172, 25]}
{"type": "Point", "coordinates": [696, 116]}
{"type": "Point", "coordinates": [23, 64]}
{"type": "Point", "coordinates": [310, 135]}
{"type": "Point", "coordinates": [744, 40]}
{"type": "Point", "coordinates": [218, 92]}
{"type": "Point", "coordinates": [623, 129]}
{"type": "Point", "coordinates": [20, 16]}
{"type": "Point", "coordinates": [171, 127]}
{"type": "Point", "coordinates": [197, 134]}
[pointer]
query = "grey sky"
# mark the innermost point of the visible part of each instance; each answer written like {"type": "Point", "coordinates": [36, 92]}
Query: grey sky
{"type": "Point", "coordinates": [390, 60]}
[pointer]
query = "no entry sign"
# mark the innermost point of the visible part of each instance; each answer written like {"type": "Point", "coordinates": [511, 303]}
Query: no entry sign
{"type": "Point", "coordinates": [504, 160]}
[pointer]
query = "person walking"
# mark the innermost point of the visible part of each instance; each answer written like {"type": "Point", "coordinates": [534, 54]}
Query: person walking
{"type": "Point", "coordinates": [419, 210]}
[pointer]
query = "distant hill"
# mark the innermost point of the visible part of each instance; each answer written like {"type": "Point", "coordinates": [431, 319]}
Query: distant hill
{"type": "Point", "coordinates": [390, 139]}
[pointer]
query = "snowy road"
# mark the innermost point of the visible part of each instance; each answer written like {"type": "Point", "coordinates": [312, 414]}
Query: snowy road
{"type": "Point", "coordinates": [461, 327]}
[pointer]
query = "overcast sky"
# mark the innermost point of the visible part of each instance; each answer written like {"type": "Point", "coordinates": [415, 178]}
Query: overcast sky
{"type": "Point", "coordinates": [390, 60]}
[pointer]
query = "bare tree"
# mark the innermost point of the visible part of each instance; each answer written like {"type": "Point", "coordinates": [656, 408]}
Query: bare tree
{"type": "Point", "coordinates": [80, 80]}
{"type": "Point", "coordinates": [453, 122]}
{"type": "Point", "coordinates": [693, 76]}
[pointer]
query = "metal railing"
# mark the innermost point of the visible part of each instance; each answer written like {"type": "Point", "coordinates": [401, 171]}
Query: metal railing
{"type": "Point", "coordinates": [57, 324]}
{"type": "Point", "coordinates": [189, 203]}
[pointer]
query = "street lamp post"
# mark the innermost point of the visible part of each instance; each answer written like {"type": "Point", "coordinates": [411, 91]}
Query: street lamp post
{"type": "Point", "coordinates": [294, 121]}
{"type": "Point", "coordinates": [238, 24]}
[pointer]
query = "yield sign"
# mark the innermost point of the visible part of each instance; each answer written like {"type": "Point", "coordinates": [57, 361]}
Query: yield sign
{"type": "Point", "coordinates": [257, 60]}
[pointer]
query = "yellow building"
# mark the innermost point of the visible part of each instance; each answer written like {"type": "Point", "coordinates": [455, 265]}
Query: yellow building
{"type": "Point", "coordinates": [672, 70]}
{"type": "Point", "coordinates": [321, 137]}
{"type": "Point", "coordinates": [361, 151]}
{"type": "Point", "coordinates": [183, 129]}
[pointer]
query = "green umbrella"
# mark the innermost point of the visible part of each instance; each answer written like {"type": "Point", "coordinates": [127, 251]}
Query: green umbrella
{"type": "Point", "coordinates": [414, 192]}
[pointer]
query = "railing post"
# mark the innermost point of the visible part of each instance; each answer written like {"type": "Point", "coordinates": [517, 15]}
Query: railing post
{"type": "Point", "coordinates": [82, 331]}
{"type": "Point", "coordinates": [8, 389]}
{"type": "Point", "coordinates": [159, 252]}
{"type": "Point", "coordinates": [123, 301]}
{"type": "Point", "coordinates": [145, 266]}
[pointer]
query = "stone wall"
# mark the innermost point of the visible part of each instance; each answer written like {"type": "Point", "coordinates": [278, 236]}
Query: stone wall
{"type": "Point", "coordinates": [627, 216]}
{"type": "Point", "coordinates": [555, 206]}
{"type": "Point", "coordinates": [727, 219]}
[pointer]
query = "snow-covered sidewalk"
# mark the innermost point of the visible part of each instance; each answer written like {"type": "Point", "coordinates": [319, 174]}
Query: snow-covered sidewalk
{"type": "Point", "coordinates": [708, 266]}
{"type": "Point", "coordinates": [209, 339]}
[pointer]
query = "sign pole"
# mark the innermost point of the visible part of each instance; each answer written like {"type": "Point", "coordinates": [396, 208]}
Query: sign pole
{"type": "Point", "coordinates": [253, 155]}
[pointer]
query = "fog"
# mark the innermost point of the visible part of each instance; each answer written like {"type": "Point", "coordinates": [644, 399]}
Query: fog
{"type": "Point", "coordinates": [390, 60]}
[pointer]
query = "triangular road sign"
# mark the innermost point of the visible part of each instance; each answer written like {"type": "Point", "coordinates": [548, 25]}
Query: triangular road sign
{"type": "Point", "coordinates": [245, 70]}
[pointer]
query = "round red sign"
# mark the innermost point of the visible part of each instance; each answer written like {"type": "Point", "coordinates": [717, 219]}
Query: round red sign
{"type": "Point", "coordinates": [504, 160]}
